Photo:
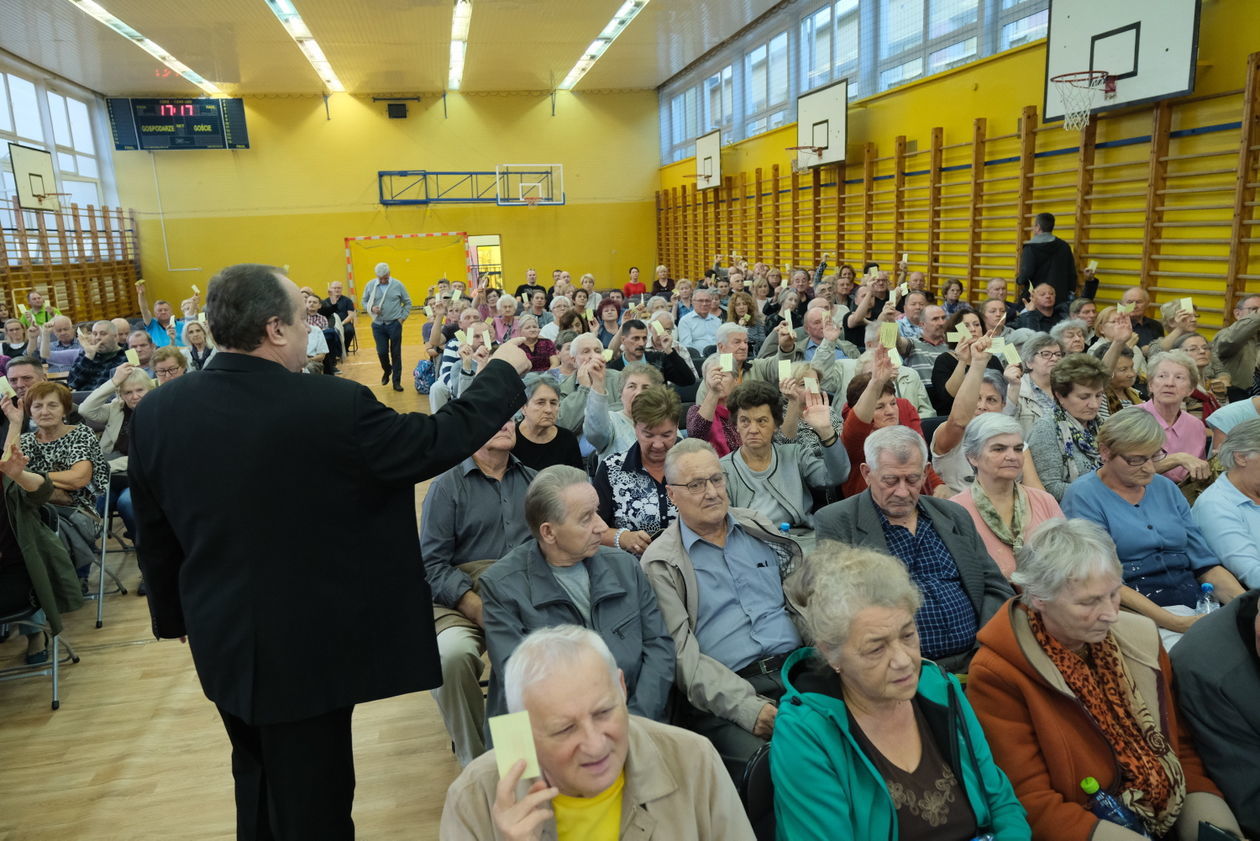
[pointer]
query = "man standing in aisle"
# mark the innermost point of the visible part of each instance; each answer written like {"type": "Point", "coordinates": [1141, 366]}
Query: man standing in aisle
{"type": "Point", "coordinates": [252, 592]}
{"type": "Point", "coordinates": [388, 303]}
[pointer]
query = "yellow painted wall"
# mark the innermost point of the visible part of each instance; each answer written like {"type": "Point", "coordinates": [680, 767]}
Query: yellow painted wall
{"type": "Point", "coordinates": [997, 89]}
{"type": "Point", "coordinates": [307, 182]}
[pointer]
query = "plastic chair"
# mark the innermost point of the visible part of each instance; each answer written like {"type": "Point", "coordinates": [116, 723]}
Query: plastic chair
{"type": "Point", "coordinates": [756, 790]}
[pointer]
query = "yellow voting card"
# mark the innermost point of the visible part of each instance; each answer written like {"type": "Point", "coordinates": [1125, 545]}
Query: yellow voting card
{"type": "Point", "coordinates": [660, 330]}
{"type": "Point", "coordinates": [6, 390]}
{"type": "Point", "coordinates": [608, 356]}
{"type": "Point", "coordinates": [997, 345]}
{"type": "Point", "coordinates": [727, 362]}
{"type": "Point", "coordinates": [462, 336]}
{"type": "Point", "coordinates": [1125, 308]}
{"type": "Point", "coordinates": [954, 337]}
{"type": "Point", "coordinates": [428, 310]}
{"type": "Point", "coordinates": [811, 385]}
{"type": "Point", "coordinates": [888, 334]}
{"type": "Point", "coordinates": [514, 741]}
{"type": "Point", "coordinates": [1093, 265]}
{"type": "Point", "coordinates": [196, 291]}
{"type": "Point", "coordinates": [1187, 304]}
{"type": "Point", "coordinates": [1012, 355]}
{"type": "Point", "coordinates": [785, 369]}
{"type": "Point", "coordinates": [894, 356]}
{"type": "Point", "coordinates": [133, 357]}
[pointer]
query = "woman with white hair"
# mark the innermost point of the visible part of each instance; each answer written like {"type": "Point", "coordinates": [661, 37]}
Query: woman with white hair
{"type": "Point", "coordinates": [1228, 512]}
{"type": "Point", "coordinates": [871, 740]}
{"type": "Point", "coordinates": [1036, 398]}
{"type": "Point", "coordinates": [505, 325]}
{"type": "Point", "coordinates": [1070, 334]}
{"type": "Point", "coordinates": [1173, 376]}
{"type": "Point", "coordinates": [559, 306]}
{"type": "Point", "coordinates": [540, 441]}
{"type": "Point", "coordinates": [1004, 510]}
{"type": "Point", "coordinates": [1165, 556]}
{"type": "Point", "coordinates": [1069, 686]}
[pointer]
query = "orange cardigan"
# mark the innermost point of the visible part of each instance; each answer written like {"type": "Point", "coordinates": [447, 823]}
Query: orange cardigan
{"type": "Point", "coordinates": [1043, 739]}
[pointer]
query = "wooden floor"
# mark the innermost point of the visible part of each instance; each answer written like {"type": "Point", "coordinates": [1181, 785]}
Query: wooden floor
{"type": "Point", "coordinates": [137, 752]}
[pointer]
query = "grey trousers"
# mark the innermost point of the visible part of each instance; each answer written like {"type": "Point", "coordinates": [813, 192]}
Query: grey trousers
{"type": "Point", "coordinates": [459, 698]}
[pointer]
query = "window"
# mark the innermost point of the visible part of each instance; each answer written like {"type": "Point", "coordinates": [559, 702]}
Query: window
{"type": "Point", "coordinates": [952, 56]}
{"type": "Point", "coordinates": [719, 96]}
{"type": "Point", "coordinates": [816, 54]}
{"type": "Point", "coordinates": [948, 16]}
{"type": "Point", "coordinates": [1025, 29]}
{"type": "Point", "coordinates": [25, 106]}
{"type": "Point", "coordinates": [900, 26]}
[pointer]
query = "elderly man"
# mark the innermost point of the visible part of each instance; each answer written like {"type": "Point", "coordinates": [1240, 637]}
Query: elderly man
{"type": "Point", "coordinates": [341, 306]}
{"type": "Point", "coordinates": [808, 338]}
{"type": "Point", "coordinates": [1238, 347]}
{"type": "Point", "coordinates": [733, 339]}
{"type": "Point", "coordinates": [587, 352]}
{"type": "Point", "coordinates": [100, 356]}
{"type": "Point", "coordinates": [1146, 329]}
{"type": "Point", "coordinates": [1217, 664]}
{"type": "Point", "coordinates": [719, 577]}
{"type": "Point", "coordinates": [59, 344]}
{"type": "Point", "coordinates": [910, 326]}
{"type": "Point", "coordinates": [996, 289]}
{"type": "Point", "coordinates": [387, 301]}
{"type": "Point", "coordinates": [473, 513]}
{"type": "Point", "coordinates": [564, 575]}
{"type": "Point", "coordinates": [1228, 512]}
{"type": "Point", "coordinates": [159, 322]}
{"type": "Point", "coordinates": [697, 329]}
{"type": "Point", "coordinates": [935, 538]}
{"type": "Point", "coordinates": [1048, 259]}
{"type": "Point", "coordinates": [22, 373]}
{"type": "Point", "coordinates": [604, 773]}
{"type": "Point", "coordinates": [632, 340]}
{"type": "Point", "coordinates": [1041, 314]}
{"type": "Point", "coordinates": [930, 344]}
{"type": "Point", "coordinates": [38, 310]}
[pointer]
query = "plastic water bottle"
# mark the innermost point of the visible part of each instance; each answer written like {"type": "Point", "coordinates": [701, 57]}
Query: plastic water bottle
{"type": "Point", "coordinates": [785, 530]}
{"type": "Point", "coordinates": [1207, 600]}
{"type": "Point", "coordinates": [1109, 808]}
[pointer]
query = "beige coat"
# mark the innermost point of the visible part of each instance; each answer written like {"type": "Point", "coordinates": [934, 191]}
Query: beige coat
{"type": "Point", "coordinates": [100, 408]}
{"type": "Point", "coordinates": [676, 789]}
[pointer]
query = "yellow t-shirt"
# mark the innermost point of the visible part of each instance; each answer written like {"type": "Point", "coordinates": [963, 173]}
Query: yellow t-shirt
{"type": "Point", "coordinates": [595, 818]}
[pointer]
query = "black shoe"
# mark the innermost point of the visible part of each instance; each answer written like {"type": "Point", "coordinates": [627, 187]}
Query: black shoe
{"type": "Point", "coordinates": [385, 378]}
{"type": "Point", "coordinates": [397, 387]}
{"type": "Point", "coordinates": [142, 590]}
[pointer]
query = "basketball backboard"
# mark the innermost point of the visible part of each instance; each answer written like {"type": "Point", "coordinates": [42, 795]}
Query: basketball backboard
{"type": "Point", "coordinates": [709, 160]}
{"type": "Point", "coordinates": [33, 177]}
{"type": "Point", "coordinates": [1149, 46]}
{"type": "Point", "coordinates": [822, 124]}
{"type": "Point", "coordinates": [521, 185]}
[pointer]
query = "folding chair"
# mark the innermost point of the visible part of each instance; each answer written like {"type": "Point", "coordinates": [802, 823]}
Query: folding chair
{"type": "Point", "coordinates": [756, 789]}
{"type": "Point", "coordinates": [105, 571]}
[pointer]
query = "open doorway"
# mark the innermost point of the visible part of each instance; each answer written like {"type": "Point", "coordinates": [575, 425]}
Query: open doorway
{"type": "Point", "coordinates": [487, 258]}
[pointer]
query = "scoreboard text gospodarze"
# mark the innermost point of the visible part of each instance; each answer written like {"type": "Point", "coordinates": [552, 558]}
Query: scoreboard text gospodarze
{"type": "Point", "coordinates": [159, 124]}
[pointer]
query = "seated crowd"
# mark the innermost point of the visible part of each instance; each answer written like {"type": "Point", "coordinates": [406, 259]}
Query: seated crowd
{"type": "Point", "coordinates": [916, 569]}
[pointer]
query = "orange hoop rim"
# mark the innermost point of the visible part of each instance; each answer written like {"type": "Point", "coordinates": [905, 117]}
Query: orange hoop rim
{"type": "Point", "coordinates": [1084, 78]}
{"type": "Point", "coordinates": [814, 150]}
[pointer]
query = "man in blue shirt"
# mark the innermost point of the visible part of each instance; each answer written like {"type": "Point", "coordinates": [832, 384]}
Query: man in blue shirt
{"type": "Point", "coordinates": [698, 328]}
{"type": "Point", "coordinates": [719, 579]}
{"type": "Point", "coordinates": [387, 302]}
{"type": "Point", "coordinates": [159, 322]}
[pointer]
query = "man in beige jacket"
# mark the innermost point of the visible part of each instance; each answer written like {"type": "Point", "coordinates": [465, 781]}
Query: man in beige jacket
{"type": "Point", "coordinates": [604, 773]}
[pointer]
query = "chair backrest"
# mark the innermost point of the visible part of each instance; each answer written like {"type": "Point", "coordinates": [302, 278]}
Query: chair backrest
{"type": "Point", "coordinates": [930, 424]}
{"type": "Point", "coordinates": [756, 789]}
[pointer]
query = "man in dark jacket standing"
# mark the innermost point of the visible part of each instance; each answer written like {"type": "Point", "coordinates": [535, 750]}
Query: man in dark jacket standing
{"type": "Point", "coordinates": [1048, 259]}
{"type": "Point", "coordinates": [229, 568]}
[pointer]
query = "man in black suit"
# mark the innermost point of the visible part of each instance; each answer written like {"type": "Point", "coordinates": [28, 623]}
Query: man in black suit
{"type": "Point", "coordinates": [230, 570]}
{"type": "Point", "coordinates": [936, 539]}
{"type": "Point", "coordinates": [1048, 259]}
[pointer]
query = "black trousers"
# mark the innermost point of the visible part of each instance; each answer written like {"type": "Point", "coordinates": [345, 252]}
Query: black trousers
{"type": "Point", "coordinates": [734, 744]}
{"type": "Point", "coordinates": [294, 781]}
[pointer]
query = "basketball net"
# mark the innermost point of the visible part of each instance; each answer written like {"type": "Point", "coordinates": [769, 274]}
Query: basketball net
{"type": "Point", "coordinates": [531, 201]}
{"type": "Point", "coordinates": [1078, 92]}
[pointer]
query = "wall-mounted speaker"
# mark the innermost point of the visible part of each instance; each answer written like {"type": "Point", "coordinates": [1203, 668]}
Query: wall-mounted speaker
{"type": "Point", "coordinates": [396, 110]}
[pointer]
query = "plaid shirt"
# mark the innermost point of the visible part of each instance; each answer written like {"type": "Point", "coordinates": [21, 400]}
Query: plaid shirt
{"type": "Point", "coordinates": [87, 374]}
{"type": "Point", "coordinates": [947, 620]}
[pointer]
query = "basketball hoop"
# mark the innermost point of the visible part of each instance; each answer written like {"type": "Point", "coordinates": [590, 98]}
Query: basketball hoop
{"type": "Point", "coordinates": [816, 151]}
{"type": "Point", "coordinates": [1077, 92]}
{"type": "Point", "coordinates": [531, 201]}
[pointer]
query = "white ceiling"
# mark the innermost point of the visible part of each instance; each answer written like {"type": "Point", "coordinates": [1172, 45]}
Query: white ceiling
{"type": "Point", "coordinates": [375, 46]}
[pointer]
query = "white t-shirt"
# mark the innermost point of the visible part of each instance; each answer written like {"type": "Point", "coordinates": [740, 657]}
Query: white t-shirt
{"type": "Point", "coordinates": [1229, 416]}
{"type": "Point", "coordinates": [953, 468]}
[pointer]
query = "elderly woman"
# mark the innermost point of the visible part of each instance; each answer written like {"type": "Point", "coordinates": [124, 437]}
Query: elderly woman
{"type": "Point", "coordinates": [70, 455]}
{"type": "Point", "coordinates": [951, 297]}
{"type": "Point", "coordinates": [1228, 512]}
{"type": "Point", "coordinates": [950, 367]}
{"type": "Point", "coordinates": [871, 740]}
{"type": "Point", "coordinates": [742, 310]}
{"type": "Point", "coordinates": [486, 301]}
{"type": "Point", "coordinates": [541, 352]}
{"type": "Point", "coordinates": [564, 575]}
{"type": "Point", "coordinates": [198, 346]}
{"type": "Point", "coordinates": [1212, 391]}
{"type": "Point", "coordinates": [663, 284]}
{"type": "Point", "coordinates": [775, 479]}
{"type": "Point", "coordinates": [710, 419]}
{"type": "Point", "coordinates": [613, 432]}
{"type": "Point", "coordinates": [982, 392]}
{"type": "Point", "coordinates": [1113, 325]}
{"type": "Point", "coordinates": [559, 306]}
{"type": "Point", "coordinates": [1004, 510]}
{"type": "Point", "coordinates": [794, 428]}
{"type": "Point", "coordinates": [1036, 398]}
{"type": "Point", "coordinates": [1068, 686]}
{"type": "Point", "coordinates": [1120, 391]}
{"type": "Point", "coordinates": [1070, 334]}
{"type": "Point", "coordinates": [540, 443]}
{"type": "Point", "coordinates": [1064, 444]}
{"type": "Point", "coordinates": [129, 385]}
{"type": "Point", "coordinates": [505, 324]}
{"type": "Point", "coordinates": [1086, 311]}
{"type": "Point", "coordinates": [1173, 377]}
{"type": "Point", "coordinates": [633, 501]}
{"type": "Point", "coordinates": [1177, 323]}
{"type": "Point", "coordinates": [169, 363]}
{"type": "Point", "coordinates": [1164, 554]}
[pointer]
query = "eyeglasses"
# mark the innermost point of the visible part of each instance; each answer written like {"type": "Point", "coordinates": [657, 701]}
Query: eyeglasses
{"type": "Point", "coordinates": [1138, 461]}
{"type": "Point", "coordinates": [718, 480]}
{"type": "Point", "coordinates": [1050, 354]}
{"type": "Point", "coordinates": [166, 372]}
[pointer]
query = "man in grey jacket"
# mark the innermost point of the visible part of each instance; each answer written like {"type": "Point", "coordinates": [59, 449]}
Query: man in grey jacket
{"type": "Point", "coordinates": [565, 576]}
{"type": "Point", "coordinates": [1217, 664]}
{"type": "Point", "coordinates": [935, 538]}
{"type": "Point", "coordinates": [719, 578]}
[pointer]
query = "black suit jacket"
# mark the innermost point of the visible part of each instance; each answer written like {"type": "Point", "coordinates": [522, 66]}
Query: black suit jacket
{"type": "Point", "coordinates": [671, 366]}
{"type": "Point", "coordinates": [856, 522]}
{"type": "Point", "coordinates": [277, 529]}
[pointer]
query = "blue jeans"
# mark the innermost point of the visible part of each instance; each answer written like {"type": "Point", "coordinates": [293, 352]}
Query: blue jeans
{"type": "Point", "coordinates": [120, 501]}
{"type": "Point", "coordinates": [388, 338]}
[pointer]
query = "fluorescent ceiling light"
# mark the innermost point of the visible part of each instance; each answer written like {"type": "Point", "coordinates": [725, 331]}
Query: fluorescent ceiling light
{"type": "Point", "coordinates": [628, 11]}
{"type": "Point", "coordinates": [100, 13]}
{"type": "Point", "coordinates": [287, 14]}
{"type": "Point", "coordinates": [460, 21]}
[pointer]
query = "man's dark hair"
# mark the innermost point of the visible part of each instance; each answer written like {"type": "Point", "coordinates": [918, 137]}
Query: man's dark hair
{"type": "Point", "coordinates": [633, 324]}
{"type": "Point", "coordinates": [754, 393]}
{"type": "Point", "coordinates": [1045, 221]}
{"type": "Point", "coordinates": [866, 268]}
{"type": "Point", "coordinates": [241, 300]}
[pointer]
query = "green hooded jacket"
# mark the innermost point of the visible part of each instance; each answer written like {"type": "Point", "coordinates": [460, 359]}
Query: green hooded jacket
{"type": "Point", "coordinates": [52, 573]}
